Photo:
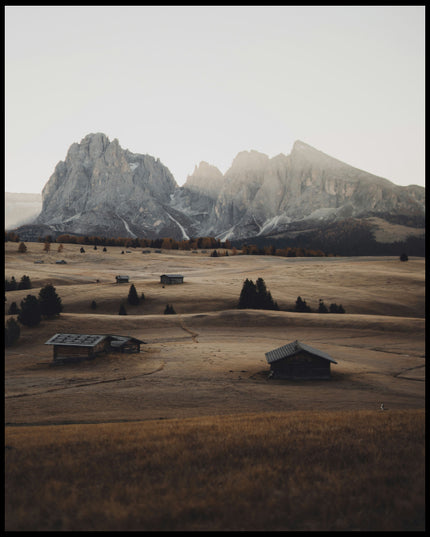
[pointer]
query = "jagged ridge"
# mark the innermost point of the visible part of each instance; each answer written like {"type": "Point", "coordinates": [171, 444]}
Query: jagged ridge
{"type": "Point", "coordinates": [103, 189]}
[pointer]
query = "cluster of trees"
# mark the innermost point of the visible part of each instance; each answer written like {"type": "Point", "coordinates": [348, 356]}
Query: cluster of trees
{"type": "Point", "coordinates": [169, 310]}
{"type": "Point", "coordinates": [256, 296]}
{"type": "Point", "coordinates": [216, 253]}
{"type": "Point", "coordinates": [303, 307]}
{"type": "Point", "coordinates": [288, 251]}
{"type": "Point", "coordinates": [133, 299]}
{"type": "Point", "coordinates": [47, 304]}
{"type": "Point", "coordinates": [13, 285]}
{"type": "Point", "coordinates": [31, 311]}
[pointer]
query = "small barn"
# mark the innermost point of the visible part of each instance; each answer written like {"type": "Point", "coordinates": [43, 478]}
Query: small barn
{"type": "Point", "coordinates": [125, 344]}
{"type": "Point", "coordinates": [75, 347]}
{"type": "Point", "coordinates": [121, 279]}
{"type": "Point", "coordinates": [170, 279]}
{"type": "Point", "coordinates": [298, 361]}
{"type": "Point", "coordinates": [71, 347]}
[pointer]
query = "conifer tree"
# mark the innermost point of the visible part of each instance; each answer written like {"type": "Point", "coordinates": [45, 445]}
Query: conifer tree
{"type": "Point", "coordinates": [50, 302]}
{"type": "Point", "coordinates": [25, 283]}
{"type": "Point", "coordinates": [122, 310]}
{"type": "Point", "coordinates": [169, 310]}
{"type": "Point", "coordinates": [248, 295]}
{"type": "Point", "coordinates": [334, 308]}
{"type": "Point", "coordinates": [132, 298]}
{"type": "Point", "coordinates": [13, 309]}
{"type": "Point", "coordinates": [30, 313]}
{"type": "Point", "coordinates": [12, 332]}
{"type": "Point", "coordinates": [301, 305]}
{"type": "Point", "coordinates": [10, 285]}
{"type": "Point", "coordinates": [322, 308]}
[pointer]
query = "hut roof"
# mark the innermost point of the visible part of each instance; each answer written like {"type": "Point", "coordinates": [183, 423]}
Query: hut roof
{"type": "Point", "coordinates": [118, 341]}
{"type": "Point", "coordinates": [290, 349]}
{"type": "Point", "coordinates": [173, 275]}
{"type": "Point", "coordinates": [76, 340]}
{"type": "Point", "coordinates": [89, 340]}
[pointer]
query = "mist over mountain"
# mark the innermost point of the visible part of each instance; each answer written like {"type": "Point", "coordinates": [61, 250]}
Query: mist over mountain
{"type": "Point", "coordinates": [102, 189]}
{"type": "Point", "coordinates": [21, 208]}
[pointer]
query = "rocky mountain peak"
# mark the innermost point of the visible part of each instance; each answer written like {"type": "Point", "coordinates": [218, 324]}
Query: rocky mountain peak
{"type": "Point", "coordinates": [206, 179]}
{"type": "Point", "coordinates": [248, 162]}
{"type": "Point", "coordinates": [103, 189]}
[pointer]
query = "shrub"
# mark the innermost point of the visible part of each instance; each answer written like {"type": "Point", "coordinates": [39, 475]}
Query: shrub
{"type": "Point", "coordinates": [93, 305]}
{"type": "Point", "coordinates": [12, 332]}
{"type": "Point", "coordinates": [404, 257]}
{"type": "Point", "coordinates": [169, 310]}
{"type": "Point", "coordinates": [122, 310]}
{"type": "Point", "coordinates": [22, 248]}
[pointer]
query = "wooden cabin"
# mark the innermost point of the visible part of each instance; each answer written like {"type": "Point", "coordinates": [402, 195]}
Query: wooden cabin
{"type": "Point", "coordinates": [170, 279]}
{"type": "Point", "coordinates": [298, 361]}
{"type": "Point", "coordinates": [75, 347]}
{"type": "Point", "coordinates": [121, 279]}
{"type": "Point", "coordinates": [125, 344]}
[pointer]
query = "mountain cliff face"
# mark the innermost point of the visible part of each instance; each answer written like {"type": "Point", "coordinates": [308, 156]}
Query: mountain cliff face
{"type": "Point", "coordinates": [102, 189]}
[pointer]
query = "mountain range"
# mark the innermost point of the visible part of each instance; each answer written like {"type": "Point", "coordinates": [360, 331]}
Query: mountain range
{"type": "Point", "coordinates": [102, 189]}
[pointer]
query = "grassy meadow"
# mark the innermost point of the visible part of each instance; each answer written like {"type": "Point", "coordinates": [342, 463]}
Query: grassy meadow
{"type": "Point", "coordinates": [190, 434]}
{"type": "Point", "coordinates": [327, 471]}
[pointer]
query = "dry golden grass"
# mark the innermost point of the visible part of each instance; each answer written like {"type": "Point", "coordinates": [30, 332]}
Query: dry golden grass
{"type": "Point", "coordinates": [360, 470]}
{"type": "Point", "coordinates": [86, 449]}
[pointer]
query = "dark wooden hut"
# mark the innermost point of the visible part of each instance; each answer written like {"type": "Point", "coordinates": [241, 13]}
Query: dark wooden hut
{"type": "Point", "coordinates": [78, 346]}
{"type": "Point", "coordinates": [125, 344]}
{"type": "Point", "coordinates": [121, 279]}
{"type": "Point", "coordinates": [298, 361]}
{"type": "Point", "coordinates": [74, 347]}
{"type": "Point", "coordinates": [170, 279]}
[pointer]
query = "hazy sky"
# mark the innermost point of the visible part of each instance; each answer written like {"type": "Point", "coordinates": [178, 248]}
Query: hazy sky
{"type": "Point", "coordinates": [188, 84]}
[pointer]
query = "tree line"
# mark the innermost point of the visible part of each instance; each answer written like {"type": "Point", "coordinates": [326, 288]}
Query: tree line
{"type": "Point", "coordinates": [257, 296]}
{"type": "Point", "coordinates": [128, 242]}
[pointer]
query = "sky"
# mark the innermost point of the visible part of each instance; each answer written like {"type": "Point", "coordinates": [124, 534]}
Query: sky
{"type": "Point", "coordinates": [187, 84]}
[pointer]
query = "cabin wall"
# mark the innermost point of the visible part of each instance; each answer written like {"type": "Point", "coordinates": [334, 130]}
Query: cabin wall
{"type": "Point", "coordinates": [171, 281]}
{"type": "Point", "coordinates": [62, 352]}
{"type": "Point", "coordinates": [301, 366]}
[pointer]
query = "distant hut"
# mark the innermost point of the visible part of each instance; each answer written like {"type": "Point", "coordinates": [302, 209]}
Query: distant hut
{"type": "Point", "coordinates": [297, 361]}
{"type": "Point", "coordinates": [125, 344]}
{"type": "Point", "coordinates": [170, 279]}
{"type": "Point", "coordinates": [121, 279]}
